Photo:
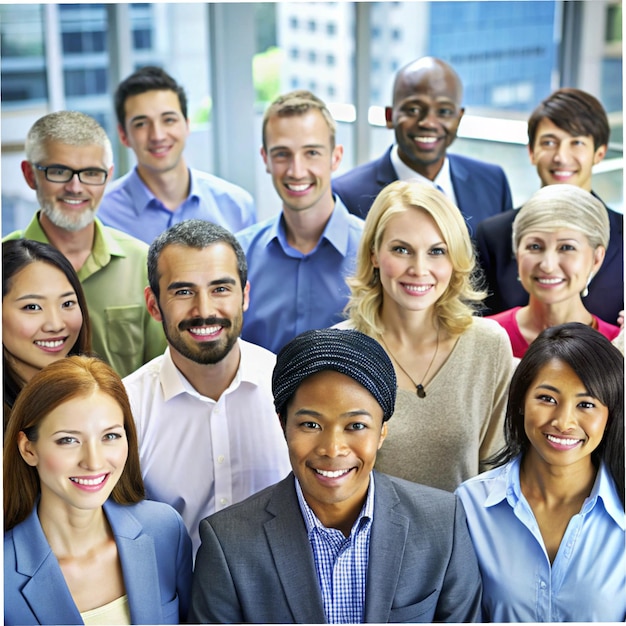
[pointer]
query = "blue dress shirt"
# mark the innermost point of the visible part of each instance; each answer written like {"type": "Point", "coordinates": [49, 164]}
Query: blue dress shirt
{"type": "Point", "coordinates": [341, 562]}
{"type": "Point", "coordinates": [587, 580]}
{"type": "Point", "coordinates": [291, 292]}
{"type": "Point", "coordinates": [131, 207]}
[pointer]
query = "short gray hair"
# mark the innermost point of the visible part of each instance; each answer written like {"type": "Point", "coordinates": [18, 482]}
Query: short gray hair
{"type": "Point", "coordinates": [197, 234]}
{"type": "Point", "coordinates": [556, 207]}
{"type": "Point", "coordinates": [67, 127]}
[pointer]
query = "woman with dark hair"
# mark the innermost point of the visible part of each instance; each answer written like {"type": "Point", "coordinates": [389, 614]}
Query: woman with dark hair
{"type": "Point", "coordinates": [81, 544]}
{"type": "Point", "coordinates": [44, 313]}
{"type": "Point", "coordinates": [548, 523]}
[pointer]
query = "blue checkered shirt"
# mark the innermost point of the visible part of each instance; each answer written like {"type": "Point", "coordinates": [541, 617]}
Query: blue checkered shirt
{"type": "Point", "coordinates": [341, 562]}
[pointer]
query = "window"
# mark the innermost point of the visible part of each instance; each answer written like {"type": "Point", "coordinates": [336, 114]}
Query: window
{"type": "Point", "coordinates": [142, 38]}
{"type": "Point", "coordinates": [85, 82]}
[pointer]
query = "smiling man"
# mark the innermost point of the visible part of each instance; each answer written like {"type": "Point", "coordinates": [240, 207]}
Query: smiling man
{"type": "Point", "coordinates": [568, 133]}
{"type": "Point", "coordinates": [336, 542]}
{"type": "Point", "coordinates": [299, 260]}
{"type": "Point", "coordinates": [425, 116]}
{"type": "Point", "coordinates": [69, 161]}
{"type": "Point", "coordinates": [208, 433]}
{"type": "Point", "coordinates": [161, 190]}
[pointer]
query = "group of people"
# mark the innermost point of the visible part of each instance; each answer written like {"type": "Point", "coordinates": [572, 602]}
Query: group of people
{"type": "Point", "coordinates": [143, 379]}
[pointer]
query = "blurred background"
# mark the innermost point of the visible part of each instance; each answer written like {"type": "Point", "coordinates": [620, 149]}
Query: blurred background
{"type": "Point", "coordinates": [233, 58]}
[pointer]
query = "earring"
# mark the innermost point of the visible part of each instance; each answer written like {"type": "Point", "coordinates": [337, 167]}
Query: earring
{"type": "Point", "coordinates": [519, 280]}
{"type": "Point", "coordinates": [585, 292]}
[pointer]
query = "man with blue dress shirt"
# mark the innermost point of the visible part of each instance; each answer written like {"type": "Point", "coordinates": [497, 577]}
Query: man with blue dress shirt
{"type": "Point", "coordinates": [161, 190]}
{"type": "Point", "coordinates": [425, 116]}
{"type": "Point", "coordinates": [299, 260]}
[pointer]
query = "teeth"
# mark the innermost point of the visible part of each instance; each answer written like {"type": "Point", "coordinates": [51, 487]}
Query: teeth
{"type": "Point", "coordinates": [335, 474]}
{"type": "Point", "coordinates": [89, 481]}
{"type": "Point", "coordinates": [563, 442]}
{"type": "Point", "coordinates": [298, 187]}
{"type": "Point", "coordinates": [68, 201]}
{"type": "Point", "coordinates": [418, 288]}
{"type": "Point", "coordinates": [205, 330]}
{"type": "Point", "coordinates": [549, 281]}
{"type": "Point", "coordinates": [427, 139]}
{"type": "Point", "coordinates": [562, 173]}
{"type": "Point", "coordinates": [50, 344]}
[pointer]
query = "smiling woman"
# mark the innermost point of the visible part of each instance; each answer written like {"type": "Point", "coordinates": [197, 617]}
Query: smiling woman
{"type": "Point", "coordinates": [415, 291]}
{"type": "Point", "coordinates": [44, 313]}
{"type": "Point", "coordinates": [71, 460]}
{"type": "Point", "coordinates": [560, 237]}
{"type": "Point", "coordinates": [548, 522]}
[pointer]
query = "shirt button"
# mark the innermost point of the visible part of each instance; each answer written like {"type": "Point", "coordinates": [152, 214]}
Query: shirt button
{"type": "Point", "coordinates": [220, 458]}
{"type": "Point", "coordinates": [542, 585]}
{"type": "Point", "coordinates": [223, 501]}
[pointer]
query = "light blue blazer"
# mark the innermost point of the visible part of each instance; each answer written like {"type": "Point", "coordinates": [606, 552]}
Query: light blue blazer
{"type": "Point", "coordinates": [155, 553]}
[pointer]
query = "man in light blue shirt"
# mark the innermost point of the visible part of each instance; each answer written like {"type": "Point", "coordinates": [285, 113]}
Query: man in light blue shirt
{"type": "Point", "coordinates": [298, 261]}
{"type": "Point", "coordinates": [161, 191]}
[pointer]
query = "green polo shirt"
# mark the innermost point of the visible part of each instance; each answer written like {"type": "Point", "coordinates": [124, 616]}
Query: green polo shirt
{"type": "Point", "coordinates": [113, 278]}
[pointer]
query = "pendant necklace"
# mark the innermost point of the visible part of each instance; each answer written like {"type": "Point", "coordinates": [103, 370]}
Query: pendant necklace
{"type": "Point", "coordinates": [419, 387]}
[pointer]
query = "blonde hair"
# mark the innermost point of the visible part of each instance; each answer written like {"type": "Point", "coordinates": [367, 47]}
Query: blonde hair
{"type": "Point", "coordinates": [299, 102]}
{"type": "Point", "coordinates": [557, 207]}
{"type": "Point", "coordinates": [462, 297]}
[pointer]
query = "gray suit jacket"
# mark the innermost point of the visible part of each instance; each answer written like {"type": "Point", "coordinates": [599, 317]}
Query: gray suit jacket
{"type": "Point", "coordinates": [256, 564]}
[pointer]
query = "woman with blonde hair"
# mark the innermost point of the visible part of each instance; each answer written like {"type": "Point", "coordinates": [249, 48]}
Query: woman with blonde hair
{"type": "Point", "coordinates": [560, 237]}
{"type": "Point", "coordinates": [81, 545]}
{"type": "Point", "coordinates": [415, 291]}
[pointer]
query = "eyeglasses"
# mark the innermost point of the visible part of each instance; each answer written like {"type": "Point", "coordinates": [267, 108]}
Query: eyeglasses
{"type": "Point", "coordinates": [62, 174]}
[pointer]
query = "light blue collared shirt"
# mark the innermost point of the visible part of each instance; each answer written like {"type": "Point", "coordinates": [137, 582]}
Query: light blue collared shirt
{"type": "Point", "coordinates": [291, 292]}
{"type": "Point", "coordinates": [587, 580]}
{"type": "Point", "coordinates": [341, 562]}
{"type": "Point", "coordinates": [131, 207]}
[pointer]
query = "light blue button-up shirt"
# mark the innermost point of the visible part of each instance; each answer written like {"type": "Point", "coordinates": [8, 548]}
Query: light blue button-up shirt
{"type": "Point", "coordinates": [341, 562]}
{"type": "Point", "coordinates": [587, 580]}
{"type": "Point", "coordinates": [131, 207]}
{"type": "Point", "coordinates": [291, 292]}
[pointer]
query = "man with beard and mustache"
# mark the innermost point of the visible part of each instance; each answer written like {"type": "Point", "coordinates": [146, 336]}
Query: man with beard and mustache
{"type": "Point", "coordinates": [69, 161]}
{"type": "Point", "coordinates": [208, 432]}
{"type": "Point", "coordinates": [425, 116]}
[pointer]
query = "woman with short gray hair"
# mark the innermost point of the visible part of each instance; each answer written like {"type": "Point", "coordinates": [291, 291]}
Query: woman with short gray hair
{"type": "Point", "coordinates": [560, 237]}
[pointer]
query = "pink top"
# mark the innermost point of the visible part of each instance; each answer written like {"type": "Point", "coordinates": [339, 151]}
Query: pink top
{"type": "Point", "coordinates": [508, 321]}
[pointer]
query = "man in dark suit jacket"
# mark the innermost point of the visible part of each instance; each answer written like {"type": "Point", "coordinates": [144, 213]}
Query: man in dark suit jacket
{"type": "Point", "coordinates": [568, 134]}
{"type": "Point", "coordinates": [425, 116]}
{"type": "Point", "coordinates": [335, 541]}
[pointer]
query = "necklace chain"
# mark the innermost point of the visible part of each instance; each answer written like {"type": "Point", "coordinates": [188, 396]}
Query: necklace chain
{"type": "Point", "coordinates": [419, 387]}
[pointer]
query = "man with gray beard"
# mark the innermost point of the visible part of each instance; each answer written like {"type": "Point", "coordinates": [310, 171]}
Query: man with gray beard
{"type": "Point", "coordinates": [68, 162]}
{"type": "Point", "coordinates": [208, 432]}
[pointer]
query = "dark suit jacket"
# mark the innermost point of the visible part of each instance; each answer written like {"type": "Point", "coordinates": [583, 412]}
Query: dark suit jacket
{"type": "Point", "coordinates": [155, 552]}
{"type": "Point", "coordinates": [481, 188]}
{"type": "Point", "coordinates": [495, 252]}
{"type": "Point", "coordinates": [256, 564]}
